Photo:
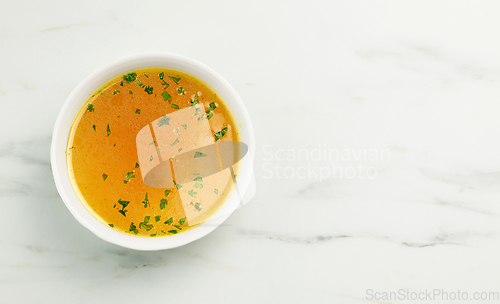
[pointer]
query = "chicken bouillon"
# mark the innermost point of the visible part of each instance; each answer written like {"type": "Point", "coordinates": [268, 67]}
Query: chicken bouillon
{"type": "Point", "coordinates": [113, 138]}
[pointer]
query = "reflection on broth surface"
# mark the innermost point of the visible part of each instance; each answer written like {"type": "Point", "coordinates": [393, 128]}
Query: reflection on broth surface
{"type": "Point", "coordinates": [137, 147]}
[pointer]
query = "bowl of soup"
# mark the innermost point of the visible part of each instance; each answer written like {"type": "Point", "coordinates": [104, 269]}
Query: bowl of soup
{"type": "Point", "coordinates": [153, 151]}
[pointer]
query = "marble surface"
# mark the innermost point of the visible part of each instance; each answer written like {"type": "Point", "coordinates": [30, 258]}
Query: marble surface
{"type": "Point", "coordinates": [377, 163]}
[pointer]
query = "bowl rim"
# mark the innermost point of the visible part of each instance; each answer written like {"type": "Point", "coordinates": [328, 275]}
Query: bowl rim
{"type": "Point", "coordinates": [91, 83]}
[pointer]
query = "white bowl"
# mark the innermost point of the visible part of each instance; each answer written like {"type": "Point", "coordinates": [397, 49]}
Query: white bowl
{"type": "Point", "coordinates": [88, 86]}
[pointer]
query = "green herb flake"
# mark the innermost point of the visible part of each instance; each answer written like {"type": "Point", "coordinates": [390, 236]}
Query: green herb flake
{"type": "Point", "coordinates": [137, 165]}
{"type": "Point", "coordinates": [212, 106]}
{"type": "Point", "coordinates": [198, 179]}
{"type": "Point", "coordinates": [192, 193]}
{"type": "Point", "coordinates": [172, 231]}
{"type": "Point", "coordinates": [175, 79]}
{"type": "Point", "coordinates": [100, 91]}
{"type": "Point", "coordinates": [165, 84]}
{"type": "Point", "coordinates": [151, 158]}
{"type": "Point", "coordinates": [130, 92]}
{"type": "Point", "coordinates": [111, 225]}
{"type": "Point", "coordinates": [121, 83]}
{"type": "Point", "coordinates": [178, 186]}
{"type": "Point", "coordinates": [146, 201]}
{"type": "Point", "coordinates": [163, 232]}
{"type": "Point", "coordinates": [133, 228]}
{"type": "Point", "coordinates": [176, 141]}
{"type": "Point", "coordinates": [163, 203]}
{"type": "Point", "coordinates": [104, 176]}
{"type": "Point", "coordinates": [148, 89]}
{"type": "Point", "coordinates": [198, 185]}
{"type": "Point", "coordinates": [125, 181]}
{"type": "Point", "coordinates": [174, 106]}
{"type": "Point", "coordinates": [93, 127]}
{"type": "Point", "coordinates": [199, 154]}
{"type": "Point", "coordinates": [197, 206]}
{"type": "Point", "coordinates": [129, 175]}
{"type": "Point", "coordinates": [220, 134]}
{"type": "Point", "coordinates": [153, 235]}
{"type": "Point", "coordinates": [138, 111]}
{"type": "Point", "coordinates": [90, 107]}
{"type": "Point", "coordinates": [216, 191]}
{"type": "Point", "coordinates": [164, 120]}
{"type": "Point", "coordinates": [180, 149]}
{"type": "Point", "coordinates": [115, 92]}
{"type": "Point", "coordinates": [210, 115]}
{"type": "Point", "coordinates": [195, 101]}
{"type": "Point", "coordinates": [123, 203]}
{"type": "Point", "coordinates": [123, 212]}
{"type": "Point", "coordinates": [166, 96]}
{"type": "Point", "coordinates": [169, 221]}
{"type": "Point", "coordinates": [146, 219]}
{"type": "Point", "coordinates": [180, 90]}
{"type": "Point", "coordinates": [130, 77]}
{"type": "Point", "coordinates": [178, 227]}
{"type": "Point", "coordinates": [138, 82]}
{"type": "Point", "coordinates": [146, 226]}
{"type": "Point", "coordinates": [185, 127]}
{"type": "Point", "coordinates": [161, 75]}
{"type": "Point", "coordinates": [167, 192]}
{"type": "Point", "coordinates": [176, 130]}
{"type": "Point", "coordinates": [157, 218]}
{"type": "Point", "coordinates": [182, 221]}
{"type": "Point", "coordinates": [108, 130]}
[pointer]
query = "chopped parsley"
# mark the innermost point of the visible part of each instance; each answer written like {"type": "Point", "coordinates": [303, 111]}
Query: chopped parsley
{"type": "Point", "coordinates": [111, 225]}
{"type": "Point", "coordinates": [133, 228]}
{"type": "Point", "coordinates": [192, 193]}
{"type": "Point", "coordinates": [123, 212]}
{"type": "Point", "coordinates": [216, 191]}
{"type": "Point", "coordinates": [185, 127]}
{"type": "Point", "coordinates": [130, 92]}
{"type": "Point", "coordinates": [115, 92]}
{"type": "Point", "coordinates": [212, 106]}
{"type": "Point", "coordinates": [138, 82]}
{"type": "Point", "coordinates": [161, 75]}
{"type": "Point", "coordinates": [182, 221]}
{"type": "Point", "coordinates": [220, 134]}
{"type": "Point", "coordinates": [108, 130]}
{"type": "Point", "coordinates": [100, 91]}
{"type": "Point", "coordinates": [165, 84]}
{"type": "Point", "coordinates": [137, 165]}
{"type": "Point", "coordinates": [123, 203]}
{"type": "Point", "coordinates": [199, 154]}
{"type": "Point", "coordinates": [175, 142]}
{"type": "Point", "coordinates": [138, 111]}
{"type": "Point", "coordinates": [175, 79]}
{"type": "Point", "coordinates": [174, 106]}
{"type": "Point", "coordinates": [129, 175]}
{"type": "Point", "coordinates": [197, 207]}
{"type": "Point", "coordinates": [164, 121]}
{"type": "Point", "coordinates": [210, 115]}
{"type": "Point", "coordinates": [172, 231]}
{"type": "Point", "coordinates": [167, 192]}
{"type": "Point", "coordinates": [104, 176]}
{"type": "Point", "coordinates": [130, 77]}
{"type": "Point", "coordinates": [151, 158]}
{"type": "Point", "coordinates": [180, 90]}
{"type": "Point", "coordinates": [90, 107]}
{"type": "Point", "coordinates": [145, 224]}
{"type": "Point", "coordinates": [166, 96]}
{"type": "Point", "coordinates": [169, 221]}
{"type": "Point", "coordinates": [93, 126]}
{"type": "Point", "coordinates": [178, 227]}
{"type": "Point", "coordinates": [146, 201]}
{"type": "Point", "coordinates": [163, 203]}
{"type": "Point", "coordinates": [195, 101]}
{"type": "Point", "coordinates": [198, 179]}
{"type": "Point", "coordinates": [157, 218]}
{"type": "Point", "coordinates": [121, 83]}
{"type": "Point", "coordinates": [198, 185]}
{"type": "Point", "coordinates": [148, 89]}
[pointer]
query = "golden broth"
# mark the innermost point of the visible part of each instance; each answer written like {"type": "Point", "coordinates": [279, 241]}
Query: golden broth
{"type": "Point", "coordinates": [102, 156]}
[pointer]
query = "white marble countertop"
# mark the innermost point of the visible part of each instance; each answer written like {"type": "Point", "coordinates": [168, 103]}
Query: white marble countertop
{"type": "Point", "coordinates": [377, 164]}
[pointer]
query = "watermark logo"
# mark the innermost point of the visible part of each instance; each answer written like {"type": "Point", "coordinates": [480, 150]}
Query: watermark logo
{"type": "Point", "coordinates": [322, 162]}
{"type": "Point", "coordinates": [431, 295]}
